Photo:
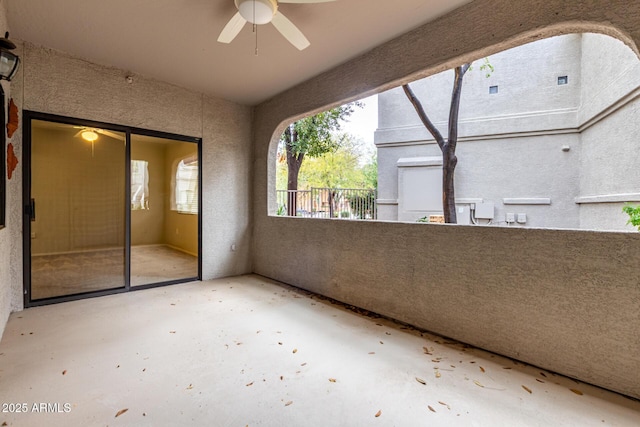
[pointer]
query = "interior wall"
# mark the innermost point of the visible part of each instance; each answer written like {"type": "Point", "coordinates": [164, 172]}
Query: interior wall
{"type": "Point", "coordinates": [563, 300]}
{"type": "Point", "coordinates": [147, 225]}
{"type": "Point", "coordinates": [79, 201]}
{"type": "Point", "coordinates": [53, 82]}
{"type": "Point", "coordinates": [180, 230]}
{"type": "Point", "coordinates": [12, 227]}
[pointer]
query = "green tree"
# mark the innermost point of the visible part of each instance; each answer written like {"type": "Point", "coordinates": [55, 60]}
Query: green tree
{"type": "Point", "coordinates": [335, 169]}
{"type": "Point", "coordinates": [448, 145]}
{"type": "Point", "coordinates": [312, 137]}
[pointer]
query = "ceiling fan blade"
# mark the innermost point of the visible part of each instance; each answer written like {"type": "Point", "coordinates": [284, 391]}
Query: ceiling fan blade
{"type": "Point", "coordinates": [231, 30]}
{"type": "Point", "coordinates": [290, 31]}
{"type": "Point", "coordinates": [110, 134]}
{"type": "Point", "coordinates": [304, 1]}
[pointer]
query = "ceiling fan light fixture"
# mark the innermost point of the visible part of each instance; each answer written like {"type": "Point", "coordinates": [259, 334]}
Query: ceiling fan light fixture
{"type": "Point", "coordinates": [89, 135]}
{"type": "Point", "coordinates": [257, 11]}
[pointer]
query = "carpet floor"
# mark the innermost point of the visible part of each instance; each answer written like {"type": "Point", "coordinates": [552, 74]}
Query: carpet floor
{"type": "Point", "coordinates": [69, 274]}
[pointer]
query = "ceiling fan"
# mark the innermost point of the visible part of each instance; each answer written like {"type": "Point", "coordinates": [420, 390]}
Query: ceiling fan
{"type": "Point", "coordinates": [91, 134]}
{"type": "Point", "coordinates": [260, 12]}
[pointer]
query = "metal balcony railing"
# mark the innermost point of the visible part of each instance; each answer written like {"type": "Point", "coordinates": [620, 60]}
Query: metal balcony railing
{"type": "Point", "coordinates": [341, 203]}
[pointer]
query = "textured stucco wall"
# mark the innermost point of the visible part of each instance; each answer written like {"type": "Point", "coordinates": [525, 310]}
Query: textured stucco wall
{"type": "Point", "coordinates": [610, 111]}
{"type": "Point", "coordinates": [528, 94]}
{"type": "Point", "coordinates": [7, 233]}
{"type": "Point", "coordinates": [56, 83]}
{"type": "Point", "coordinates": [563, 300]}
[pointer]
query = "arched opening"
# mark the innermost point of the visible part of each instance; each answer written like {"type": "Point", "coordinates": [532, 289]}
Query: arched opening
{"type": "Point", "coordinates": [546, 140]}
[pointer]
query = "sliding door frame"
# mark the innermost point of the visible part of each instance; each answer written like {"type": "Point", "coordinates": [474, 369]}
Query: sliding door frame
{"type": "Point", "coordinates": [28, 117]}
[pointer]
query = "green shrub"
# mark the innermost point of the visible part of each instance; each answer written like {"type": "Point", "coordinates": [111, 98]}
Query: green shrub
{"type": "Point", "coordinates": [634, 215]}
{"type": "Point", "coordinates": [423, 219]}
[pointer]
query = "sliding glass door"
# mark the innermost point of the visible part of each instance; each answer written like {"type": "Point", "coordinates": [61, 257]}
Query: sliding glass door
{"type": "Point", "coordinates": [77, 221]}
{"type": "Point", "coordinates": [107, 209]}
{"type": "Point", "coordinates": [164, 210]}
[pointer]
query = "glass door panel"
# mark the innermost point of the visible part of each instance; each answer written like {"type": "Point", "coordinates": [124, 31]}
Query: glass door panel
{"type": "Point", "coordinates": [164, 210]}
{"type": "Point", "coordinates": [78, 223]}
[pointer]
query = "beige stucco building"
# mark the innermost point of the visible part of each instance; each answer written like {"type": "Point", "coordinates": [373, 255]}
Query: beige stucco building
{"type": "Point", "coordinates": [548, 139]}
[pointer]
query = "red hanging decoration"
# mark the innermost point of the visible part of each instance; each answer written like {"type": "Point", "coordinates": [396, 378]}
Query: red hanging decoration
{"type": "Point", "coordinates": [12, 160]}
{"type": "Point", "coordinates": [12, 123]}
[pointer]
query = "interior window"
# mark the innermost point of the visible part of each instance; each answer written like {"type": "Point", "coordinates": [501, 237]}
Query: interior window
{"type": "Point", "coordinates": [139, 185]}
{"type": "Point", "coordinates": [186, 186]}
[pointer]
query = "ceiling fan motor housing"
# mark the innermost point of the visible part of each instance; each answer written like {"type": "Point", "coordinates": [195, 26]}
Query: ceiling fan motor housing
{"type": "Point", "coordinates": [257, 11]}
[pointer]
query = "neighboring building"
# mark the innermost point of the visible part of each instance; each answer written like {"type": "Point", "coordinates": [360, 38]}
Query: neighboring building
{"type": "Point", "coordinates": [549, 138]}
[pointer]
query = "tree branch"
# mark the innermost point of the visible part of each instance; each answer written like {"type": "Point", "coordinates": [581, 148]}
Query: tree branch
{"type": "Point", "coordinates": [455, 106]}
{"type": "Point", "coordinates": [423, 116]}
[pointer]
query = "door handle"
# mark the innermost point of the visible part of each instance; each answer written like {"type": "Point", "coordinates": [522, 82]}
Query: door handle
{"type": "Point", "coordinates": [31, 209]}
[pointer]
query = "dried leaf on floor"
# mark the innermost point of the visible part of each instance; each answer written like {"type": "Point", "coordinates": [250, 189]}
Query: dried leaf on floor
{"type": "Point", "coordinates": [539, 380]}
{"type": "Point", "coordinates": [478, 383]}
{"type": "Point", "coordinates": [426, 350]}
{"type": "Point", "coordinates": [527, 389]}
{"type": "Point", "coordinates": [481, 368]}
{"type": "Point", "coordinates": [379, 412]}
{"type": "Point", "coordinates": [444, 404]}
{"type": "Point", "coordinates": [372, 352]}
{"type": "Point", "coordinates": [172, 332]}
{"type": "Point", "coordinates": [438, 375]}
{"type": "Point", "coordinates": [431, 408]}
{"type": "Point", "coordinates": [288, 403]}
{"type": "Point", "coordinates": [542, 373]}
{"type": "Point", "coordinates": [381, 342]}
{"type": "Point", "coordinates": [121, 411]}
{"type": "Point", "coordinates": [578, 392]}
{"type": "Point", "coordinates": [295, 350]}
{"type": "Point", "coordinates": [333, 380]}
{"type": "Point", "coordinates": [64, 372]}
{"type": "Point", "coordinates": [388, 333]}
{"type": "Point", "coordinates": [190, 387]}
{"type": "Point", "coordinates": [281, 377]}
{"type": "Point", "coordinates": [506, 367]}
{"type": "Point", "coordinates": [251, 383]}
{"type": "Point", "coordinates": [303, 364]}
{"type": "Point", "coordinates": [279, 343]}
{"type": "Point", "coordinates": [421, 381]}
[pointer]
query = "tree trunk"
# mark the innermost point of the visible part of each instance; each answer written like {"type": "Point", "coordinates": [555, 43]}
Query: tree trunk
{"type": "Point", "coordinates": [294, 161]}
{"type": "Point", "coordinates": [448, 147]}
{"type": "Point", "coordinates": [449, 162]}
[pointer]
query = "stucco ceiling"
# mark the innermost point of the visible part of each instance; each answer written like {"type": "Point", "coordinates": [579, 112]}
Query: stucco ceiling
{"type": "Point", "coordinates": [175, 40]}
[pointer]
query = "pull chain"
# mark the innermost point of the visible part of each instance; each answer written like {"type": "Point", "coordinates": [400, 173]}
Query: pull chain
{"type": "Point", "coordinates": [255, 26]}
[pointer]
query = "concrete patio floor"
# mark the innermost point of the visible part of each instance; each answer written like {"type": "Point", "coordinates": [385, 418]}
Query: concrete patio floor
{"type": "Point", "coordinates": [248, 351]}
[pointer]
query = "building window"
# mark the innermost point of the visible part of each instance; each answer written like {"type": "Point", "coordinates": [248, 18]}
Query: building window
{"type": "Point", "coordinates": [186, 188]}
{"type": "Point", "coordinates": [139, 185]}
{"type": "Point", "coordinates": [493, 89]}
{"type": "Point", "coordinates": [563, 80]}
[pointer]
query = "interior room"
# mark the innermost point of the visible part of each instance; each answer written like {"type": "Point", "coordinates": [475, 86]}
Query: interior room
{"type": "Point", "coordinates": [268, 320]}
